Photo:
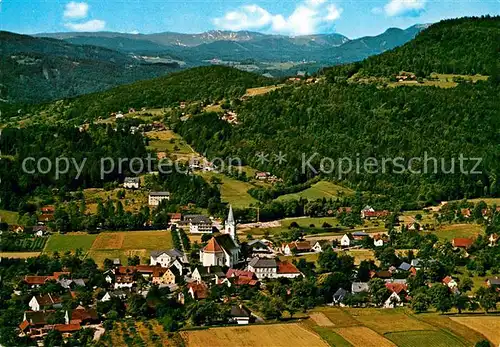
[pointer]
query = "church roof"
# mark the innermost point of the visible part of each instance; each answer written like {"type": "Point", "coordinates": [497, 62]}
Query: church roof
{"type": "Point", "coordinates": [226, 242]}
{"type": "Point", "coordinates": [212, 246]}
{"type": "Point", "coordinates": [230, 217]}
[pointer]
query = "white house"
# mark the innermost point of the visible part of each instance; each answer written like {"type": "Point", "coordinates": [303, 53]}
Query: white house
{"type": "Point", "coordinates": [393, 300]}
{"type": "Point", "coordinates": [271, 268]}
{"type": "Point", "coordinates": [199, 224]}
{"type": "Point", "coordinates": [346, 240]}
{"type": "Point", "coordinates": [321, 246]}
{"type": "Point", "coordinates": [156, 197]}
{"type": "Point", "coordinates": [41, 302]}
{"type": "Point", "coordinates": [222, 250]}
{"type": "Point", "coordinates": [164, 258]}
{"type": "Point", "coordinates": [131, 183]}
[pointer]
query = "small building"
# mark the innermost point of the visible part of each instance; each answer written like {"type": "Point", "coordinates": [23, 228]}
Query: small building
{"type": "Point", "coordinates": [39, 230]}
{"type": "Point", "coordinates": [493, 283]}
{"type": "Point", "coordinates": [131, 182]}
{"type": "Point", "coordinates": [298, 246]}
{"type": "Point", "coordinates": [339, 296]}
{"type": "Point", "coordinates": [259, 248]}
{"type": "Point", "coordinates": [380, 240]}
{"type": "Point", "coordinates": [398, 294]}
{"type": "Point", "coordinates": [198, 290]}
{"type": "Point", "coordinates": [321, 246]}
{"type": "Point", "coordinates": [175, 218]}
{"type": "Point", "coordinates": [240, 314]}
{"type": "Point", "coordinates": [155, 198]}
{"type": "Point", "coordinates": [347, 240]}
{"type": "Point", "coordinates": [359, 287]}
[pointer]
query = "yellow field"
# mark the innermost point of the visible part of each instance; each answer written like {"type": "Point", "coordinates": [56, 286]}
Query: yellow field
{"type": "Point", "coordinates": [321, 320]}
{"type": "Point", "coordinates": [384, 321]}
{"type": "Point", "coordinates": [148, 334]}
{"type": "Point", "coordinates": [488, 326]}
{"type": "Point", "coordinates": [112, 244]}
{"type": "Point", "coordinates": [363, 337]}
{"type": "Point", "coordinates": [261, 90]}
{"type": "Point", "coordinates": [362, 254]}
{"type": "Point", "coordinates": [19, 255]}
{"type": "Point", "coordinates": [276, 335]}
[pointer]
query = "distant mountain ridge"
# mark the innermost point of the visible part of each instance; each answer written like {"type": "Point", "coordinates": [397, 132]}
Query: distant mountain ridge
{"type": "Point", "coordinates": [243, 45]}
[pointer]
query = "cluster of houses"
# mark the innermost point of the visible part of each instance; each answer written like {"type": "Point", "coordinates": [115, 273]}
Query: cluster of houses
{"type": "Point", "coordinates": [266, 176]}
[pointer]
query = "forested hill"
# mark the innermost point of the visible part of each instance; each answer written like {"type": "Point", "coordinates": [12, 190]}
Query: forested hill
{"type": "Point", "coordinates": [40, 69]}
{"type": "Point", "coordinates": [209, 83]}
{"type": "Point", "coordinates": [362, 121]}
{"type": "Point", "coordinates": [467, 46]}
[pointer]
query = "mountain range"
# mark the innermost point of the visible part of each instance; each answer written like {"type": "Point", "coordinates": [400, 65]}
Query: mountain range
{"type": "Point", "coordinates": [45, 67]}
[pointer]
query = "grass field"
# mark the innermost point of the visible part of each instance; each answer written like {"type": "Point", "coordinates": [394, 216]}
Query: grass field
{"type": "Point", "coordinates": [69, 242]}
{"type": "Point", "coordinates": [168, 141]}
{"type": "Point", "coordinates": [450, 231]}
{"type": "Point", "coordinates": [319, 190]}
{"type": "Point", "coordinates": [133, 201]}
{"type": "Point", "coordinates": [379, 327]}
{"type": "Point", "coordinates": [363, 337]}
{"type": "Point", "coordinates": [8, 217]}
{"type": "Point", "coordinates": [488, 326]}
{"type": "Point", "coordinates": [275, 335]}
{"type": "Point", "coordinates": [423, 339]}
{"type": "Point", "coordinates": [19, 255]}
{"type": "Point", "coordinates": [232, 190]}
{"type": "Point", "coordinates": [112, 245]}
{"type": "Point", "coordinates": [443, 81]}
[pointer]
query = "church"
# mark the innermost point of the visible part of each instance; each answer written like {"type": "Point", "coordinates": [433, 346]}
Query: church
{"type": "Point", "coordinates": [223, 249]}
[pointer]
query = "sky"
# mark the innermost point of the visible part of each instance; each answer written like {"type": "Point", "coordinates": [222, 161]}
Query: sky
{"type": "Point", "coordinates": [353, 18]}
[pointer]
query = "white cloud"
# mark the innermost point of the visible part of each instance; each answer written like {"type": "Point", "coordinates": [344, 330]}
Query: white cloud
{"type": "Point", "coordinates": [307, 18]}
{"type": "Point", "coordinates": [91, 25]}
{"type": "Point", "coordinates": [76, 10]}
{"type": "Point", "coordinates": [404, 7]}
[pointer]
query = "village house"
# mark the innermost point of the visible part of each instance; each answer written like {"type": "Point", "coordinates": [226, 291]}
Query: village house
{"type": "Point", "coordinates": [166, 276]}
{"type": "Point", "coordinates": [36, 281]}
{"type": "Point", "coordinates": [272, 268]}
{"type": "Point", "coordinates": [165, 258]}
{"type": "Point", "coordinates": [493, 283]}
{"type": "Point", "coordinates": [346, 210]}
{"type": "Point", "coordinates": [262, 176]}
{"type": "Point", "coordinates": [347, 240]}
{"type": "Point", "coordinates": [369, 213]}
{"type": "Point", "coordinates": [398, 294]}
{"type": "Point", "coordinates": [462, 242]}
{"type": "Point", "coordinates": [46, 301]}
{"type": "Point", "coordinates": [198, 290]}
{"type": "Point", "coordinates": [359, 287]}
{"type": "Point", "coordinates": [120, 294]}
{"type": "Point", "coordinates": [131, 183]}
{"type": "Point", "coordinates": [208, 274]}
{"type": "Point", "coordinates": [339, 296]}
{"type": "Point", "coordinates": [493, 239]}
{"type": "Point", "coordinates": [240, 314]}
{"type": "Point", "coordinates": [199, 224]}
{"type": "Point", "coordinates": [450, 282]}
{"type": "Point", "coordinates": [260, 248]}
{"type": "Point", "coordinates": [239, 278]}
{"type": "Point", "coordinates": [296, 246]}
{"type": "Point", "coordinates": [321, 246]}
{"type": "Point", "coordinates": [175, 218]}
{"type": "Point", "coordinates": [39, 230]}
{"type": "Point", "coordinates": [380, 240]}
{"type": "Point", "coordinates": [155, 198]}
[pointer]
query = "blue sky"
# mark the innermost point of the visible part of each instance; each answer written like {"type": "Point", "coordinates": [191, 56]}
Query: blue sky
{"type": "Point", "coordinates": [292, 17]}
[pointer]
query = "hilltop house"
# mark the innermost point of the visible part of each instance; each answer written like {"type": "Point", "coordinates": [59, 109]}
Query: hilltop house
{"type": "Point", "coordinates": [155, 198]}
{"type": "Point", "coordinates": [223, 249]}
{"type": "Point", "coordinates": [131, 183]}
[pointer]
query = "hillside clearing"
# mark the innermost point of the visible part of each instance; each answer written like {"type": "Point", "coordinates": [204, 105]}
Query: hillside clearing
{"type": "Point", "coordinates": [451, 231]}
{"type": "Point", "coordinates": [233, 191]}
{"type": "Point", "coordinates": [8, 217]}
{"type": "Point", "coordinates": [319, 190]}
{"type": "Point", "coordinates": [19, 255]}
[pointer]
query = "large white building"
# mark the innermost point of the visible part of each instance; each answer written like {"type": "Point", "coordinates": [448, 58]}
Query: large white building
{"type": "Point", "coordinates": [165, 258]}
{"type": "Point", "coordinates": [199, 224]}
{"type": "Point", "coordinates": [222, 250]}
{"type": "Point", "coordinates": [156, 197]}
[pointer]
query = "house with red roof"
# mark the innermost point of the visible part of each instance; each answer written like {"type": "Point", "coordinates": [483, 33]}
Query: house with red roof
{"type": "Point", "coordinates": [198, 290]}
{"type": "Point", "coordinates": [462, 242]}
{"type": "Point", "coordinates": [399, 293]}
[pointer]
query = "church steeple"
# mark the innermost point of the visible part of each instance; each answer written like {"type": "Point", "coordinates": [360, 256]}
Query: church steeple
{"type": "Point", "coordinates": [230, 224]}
